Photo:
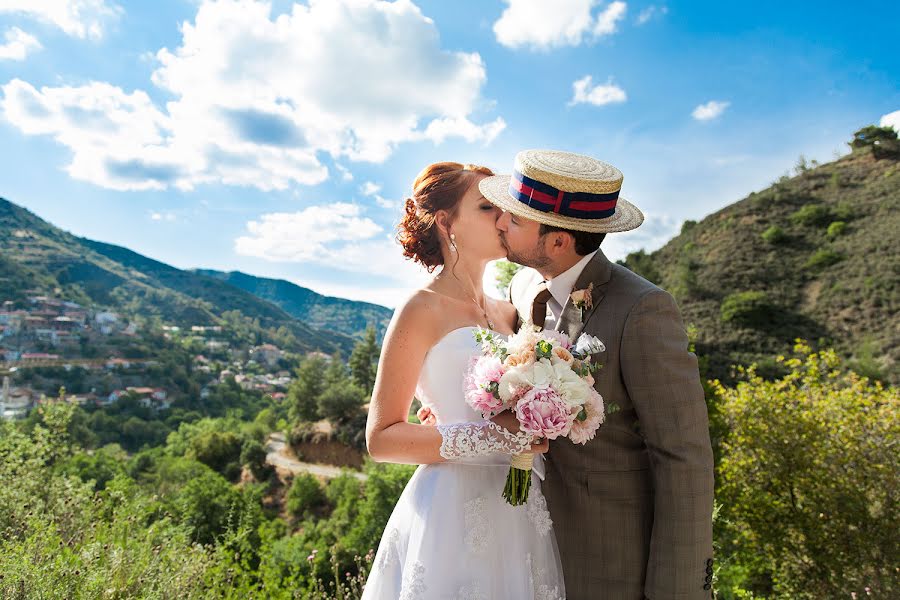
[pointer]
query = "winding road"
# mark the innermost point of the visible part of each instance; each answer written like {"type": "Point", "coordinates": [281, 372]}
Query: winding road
{"type": "Point", "coordinates": [278, 454]}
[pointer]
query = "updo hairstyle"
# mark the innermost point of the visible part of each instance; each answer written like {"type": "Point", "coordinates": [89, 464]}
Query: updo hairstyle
{"type": "Point", "coordinates": [439, 186]}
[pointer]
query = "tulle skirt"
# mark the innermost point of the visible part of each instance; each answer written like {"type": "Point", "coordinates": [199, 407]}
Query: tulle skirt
{"type": "Point", "coordinates": [453, 537]}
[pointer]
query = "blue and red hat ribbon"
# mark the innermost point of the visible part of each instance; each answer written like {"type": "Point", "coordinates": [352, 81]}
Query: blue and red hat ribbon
{"type": "Point", "coordinates": [546, 198]}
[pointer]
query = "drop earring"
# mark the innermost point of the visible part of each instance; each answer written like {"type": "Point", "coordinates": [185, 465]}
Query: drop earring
{"type": "Point", "coordinates": [453, 242]}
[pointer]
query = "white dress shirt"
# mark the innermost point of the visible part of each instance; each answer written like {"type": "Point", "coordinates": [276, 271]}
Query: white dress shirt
{"type": "Point", "coordinates": [560, 287]}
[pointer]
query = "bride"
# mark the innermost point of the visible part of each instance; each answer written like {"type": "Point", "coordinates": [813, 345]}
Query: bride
{"type": "Point", "coordinates": [451, 535]}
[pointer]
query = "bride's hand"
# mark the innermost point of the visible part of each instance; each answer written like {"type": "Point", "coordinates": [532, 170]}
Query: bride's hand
{"type": "Point", "coordinates": [507, 420]}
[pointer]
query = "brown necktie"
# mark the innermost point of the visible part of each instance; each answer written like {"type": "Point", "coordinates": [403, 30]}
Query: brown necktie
{"type": "Point", "coordinates": [539, 305]}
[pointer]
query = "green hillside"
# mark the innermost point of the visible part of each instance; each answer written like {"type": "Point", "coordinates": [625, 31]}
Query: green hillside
{"type": "Point", "coordinates": [36, 257]}
{"type": "Point", "coordinates": [814, 256]}
{"type": "Point", "coordinates": [321, 312]}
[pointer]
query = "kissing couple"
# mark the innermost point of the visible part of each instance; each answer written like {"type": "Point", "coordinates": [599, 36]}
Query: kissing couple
{"type": "Point", "coordinates": [625, 516]}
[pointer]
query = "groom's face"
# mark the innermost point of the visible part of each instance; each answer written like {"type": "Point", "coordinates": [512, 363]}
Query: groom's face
{"type": "Point", "coordinates": [523, 241]}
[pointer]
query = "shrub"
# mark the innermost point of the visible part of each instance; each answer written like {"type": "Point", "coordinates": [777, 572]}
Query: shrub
{"type": "Point", "coordinates": [253, 454]}
{"type": "Point", "coordinates": [745, 308]}
{"type": "Point", "coordinates": [836, 229]}
{"type": "Point", "coordinates": [221, 451]}
{"type": "Point", "coordinates": [642, 263]}
{"type": "Point", "coordinates": [340, 401]}
{"type": "Point", "coordinates": [823, 258]}
{"type": "Point", "coordinates": [305, 497]}
{"type": "Point", "coordinates": [807, 480]}
{"type": "Point", "coordinates": [774, 235]}
{"type": "Point", "coordinates": [812, 215]}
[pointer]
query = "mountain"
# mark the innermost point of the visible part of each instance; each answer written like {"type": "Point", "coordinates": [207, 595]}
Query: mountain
{"type": "Point", "coordinates": [35, 256]}
{"type": "Point", "coordinates": [321, 312]}
{"type": "Point", "coordinates": [814, 256]}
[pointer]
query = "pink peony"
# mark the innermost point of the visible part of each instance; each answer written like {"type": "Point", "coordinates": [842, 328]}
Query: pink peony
{"type": "Point", "coordinates": [543, 413]}
{"type": "Point", "coordinates": [483, 371]}
{"type": "Point", "coordinates": [583, 431]}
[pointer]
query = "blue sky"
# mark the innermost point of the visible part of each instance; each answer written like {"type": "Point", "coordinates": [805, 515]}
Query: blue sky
{"type": "Point", "coordinates": [280, 138]}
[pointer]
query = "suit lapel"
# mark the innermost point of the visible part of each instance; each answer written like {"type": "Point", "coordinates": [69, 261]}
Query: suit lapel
{"type": "Point", "coordinates": [597, 271]}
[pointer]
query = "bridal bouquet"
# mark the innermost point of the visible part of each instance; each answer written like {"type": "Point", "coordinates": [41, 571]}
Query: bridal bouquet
{"type": "Point", "coordinates": [546, 381]}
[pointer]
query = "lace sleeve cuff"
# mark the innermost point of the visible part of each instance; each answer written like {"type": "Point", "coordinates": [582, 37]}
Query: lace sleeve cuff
{"type": "Point", "coordinates": [461, 440]}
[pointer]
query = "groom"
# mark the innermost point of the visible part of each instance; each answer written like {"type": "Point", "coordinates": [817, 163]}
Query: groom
{"type": "Point", "coordinates": [632, 508]}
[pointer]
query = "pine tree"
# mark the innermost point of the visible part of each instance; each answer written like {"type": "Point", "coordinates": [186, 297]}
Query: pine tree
{"type": "Point", "coordinates": [364, 361]}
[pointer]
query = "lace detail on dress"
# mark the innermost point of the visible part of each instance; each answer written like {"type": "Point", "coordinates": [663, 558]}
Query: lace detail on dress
{"type": "Point", "coordinates": [536, 508]}
{"type": "Point", "coordinates": [390, 552]}
{"type": "Point", "coordinates": [471, 592]}
{"type": "Point", "coordinates": [478, 529]}
{"type": "Point", "coordinates": [413, 587]}
{"type": "Point", "coordinates": [461, 440]}
{"type": "Point", "coordinates": [542, 591]}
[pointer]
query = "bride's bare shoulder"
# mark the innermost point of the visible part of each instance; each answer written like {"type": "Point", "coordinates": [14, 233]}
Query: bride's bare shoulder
{"type": "Point", "coordinates": [420, 313]}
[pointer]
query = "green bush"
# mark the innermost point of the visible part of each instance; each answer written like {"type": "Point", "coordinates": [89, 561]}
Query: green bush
{"type": "Point", "coordinates": [808, 482]}
{"type": "Point", "coordinates": [220, 451]}
{"type": "Point", "coordinates": [253, 455]}
{"type": "Point", "coordinates": [305, 497]}
{"type": "Point", "coordinates": [812, 215]}
{"type": "Point", "coordinates": [340, 401]}
{"type": "Point", "coordinates": [836, 229]}
{"type": "Point", "coordinates": [823, 258]}
{"type": "Point", "coordinates": [774, 235]}
{"type": "Point", "coordinates": [746, 308]}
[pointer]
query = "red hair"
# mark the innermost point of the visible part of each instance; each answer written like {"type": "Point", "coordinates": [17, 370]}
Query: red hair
{"type": "Point", "coordinates": [439, 186]}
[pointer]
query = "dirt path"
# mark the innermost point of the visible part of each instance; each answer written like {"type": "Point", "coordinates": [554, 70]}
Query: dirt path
{"type": "Point", "coordinates": [279, 455]}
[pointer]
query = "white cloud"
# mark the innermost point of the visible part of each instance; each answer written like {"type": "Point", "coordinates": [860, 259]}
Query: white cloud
{"type": "Point", "coordinates": [239, 117]}
{"type": "Point", "coordinates": [346, 175]}
{"type": "Point", "coordinates": [650, 12]}
{"type": "Point", "coordinates": [598, 95]}
{"type": "Point", "coordinates": [166, 216]}
{"type": "Point", "coordinates": [541, 24]}
{"type": "Point", "coordinates": [118, 139]}
{"type": "Point", "coordinates": [18, 44]}
{"type": "Point", "coordinates": [311, 234]}
{"type": "Point", "coordinates": [77, 18]}
{"type": "Point", "coordinates": [710, 110]}
{"type": "Point", "coordinates": [891, 120]}
{"type": "Point", "coordinates": [608, 19]}
{"type": "Point", "coordinates": [370, 188]}
{"type": "Point", "coordinates": [654, 232]}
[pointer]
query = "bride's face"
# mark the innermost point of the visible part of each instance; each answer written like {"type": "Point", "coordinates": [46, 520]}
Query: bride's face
{"type": "Point", "coordinates": [475, 225]}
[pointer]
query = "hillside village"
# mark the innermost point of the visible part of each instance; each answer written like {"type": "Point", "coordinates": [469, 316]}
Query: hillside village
{"type": "Point", "coordinates": [47, 332]}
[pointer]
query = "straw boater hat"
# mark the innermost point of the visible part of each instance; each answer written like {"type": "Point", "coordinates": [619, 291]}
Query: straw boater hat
{"type": "Point", "coordinates": [566, 190]}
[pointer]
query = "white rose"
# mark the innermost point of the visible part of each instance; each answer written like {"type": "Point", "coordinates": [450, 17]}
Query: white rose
{"type": "Point", "coordinates": [514, 379]}
{"type": "Point", "coordinates": [573, 389]}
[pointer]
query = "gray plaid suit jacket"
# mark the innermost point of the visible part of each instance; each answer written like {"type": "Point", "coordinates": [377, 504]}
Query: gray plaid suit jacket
{"type": "Point", "coordinates": [632, 509]}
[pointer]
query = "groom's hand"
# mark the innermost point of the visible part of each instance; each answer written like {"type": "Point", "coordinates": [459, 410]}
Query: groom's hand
{"type": "Point", "coordinates": [425, 416]}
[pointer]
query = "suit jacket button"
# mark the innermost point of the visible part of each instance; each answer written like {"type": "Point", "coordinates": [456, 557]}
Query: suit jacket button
{"type": "Point", "coordinates": [709, 570]}
{"type": "Point", "coordinates": [709, 562]}
{"type": "Point", "coordinates": [706, 586]}
{"type": "Point", "coordinates": [709, 579]}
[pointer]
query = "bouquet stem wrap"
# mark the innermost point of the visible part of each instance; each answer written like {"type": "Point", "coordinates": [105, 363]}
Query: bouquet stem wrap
{"type": "Point", "coordinates": [518, 481]}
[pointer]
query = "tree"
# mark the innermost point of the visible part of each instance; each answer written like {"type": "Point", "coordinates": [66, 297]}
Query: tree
{"type": "Point", "coordinates": [253, 454]}
{"type": "Point", "coordinates": [364, 361]}
{"type": "Point", "coordinates": [340, 401]}
{"type": "Point", "coordinates": [807, 481]}
{"type": "Point", "coordinates": [882, 140]}
{"type": "Point", "coordinates": [220, 451]}
{"type": "Point", "coordinates": [303, 395]}
{"type": "Point", "coordinates": [505, 272]}
{"type": "Point", "coordinates": [305, 497]}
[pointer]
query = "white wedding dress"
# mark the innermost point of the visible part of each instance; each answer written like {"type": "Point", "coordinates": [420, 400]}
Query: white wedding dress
{"type": "Point", "coordinates": [451, 535]}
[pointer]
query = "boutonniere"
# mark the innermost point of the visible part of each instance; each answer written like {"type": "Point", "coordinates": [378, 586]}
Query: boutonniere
{"type": "Point", "coordinates": [583, 299]}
